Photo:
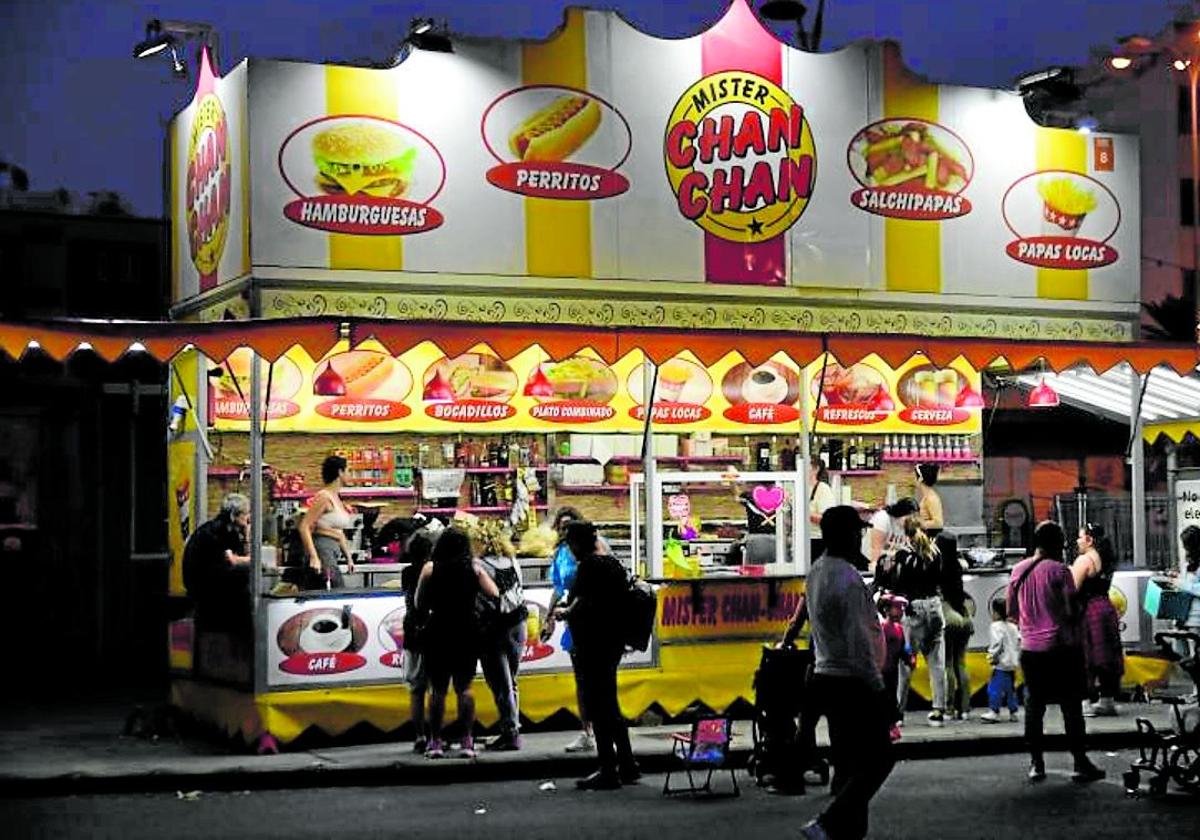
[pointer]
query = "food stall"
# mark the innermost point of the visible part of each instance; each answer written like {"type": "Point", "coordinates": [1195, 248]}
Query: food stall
{"type": "Point", "coordinates": [479, 319]}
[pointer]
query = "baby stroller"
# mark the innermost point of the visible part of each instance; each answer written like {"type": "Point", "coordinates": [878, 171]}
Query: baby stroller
{"type": "Point", "coordinates": [1174, 755]}
{"type": "Point", "coordinates": [778, 697]}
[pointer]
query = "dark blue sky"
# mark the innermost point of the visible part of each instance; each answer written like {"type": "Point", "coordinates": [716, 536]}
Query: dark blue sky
{"type": "Point", "coordinates": [79, 111]}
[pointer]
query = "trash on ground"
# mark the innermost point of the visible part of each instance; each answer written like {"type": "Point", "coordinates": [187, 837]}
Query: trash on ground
{"type": "Point", "coordinates": [480, 809]}
{"type": "Point", "coordinates": [190, 796]}
{"type": "Point", "coordinates": [547, 787]}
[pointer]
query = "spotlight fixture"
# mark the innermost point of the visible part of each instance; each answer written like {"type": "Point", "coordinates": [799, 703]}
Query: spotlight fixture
{"type": "Point", "coordinates": [155, 42]}
{"type": "Point", "coordinates": [168, 36]}
{"type": "Point", "coordinates": [423, 34]}
{"type": "Point", "coordinates": [1120, 62]}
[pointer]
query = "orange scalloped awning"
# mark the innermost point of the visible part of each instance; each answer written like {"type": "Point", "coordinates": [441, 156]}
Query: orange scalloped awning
{"type": "Point", "coordinates": [272, 338]}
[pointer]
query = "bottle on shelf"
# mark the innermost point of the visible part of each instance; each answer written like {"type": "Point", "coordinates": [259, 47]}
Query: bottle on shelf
{"type": "Point", "coordinates": [836, 453]}
{"type": "Point", "coordinates": [823, 451]}
{"type": "Point", "coordinates": [852, 462]}
{"type": "Point", "coordinates": [763, 456]}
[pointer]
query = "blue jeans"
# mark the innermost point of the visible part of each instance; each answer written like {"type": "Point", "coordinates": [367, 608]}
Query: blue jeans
{"type": "Point", "coordinates": [1002, 685]}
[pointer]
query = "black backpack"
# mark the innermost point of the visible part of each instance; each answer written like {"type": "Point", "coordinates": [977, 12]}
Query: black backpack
{"type": "Point", "coordinates": [641, 609]}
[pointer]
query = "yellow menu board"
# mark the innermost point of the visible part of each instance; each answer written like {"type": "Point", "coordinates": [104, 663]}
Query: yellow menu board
{"type": "Point", "coordinates": [365, 389]}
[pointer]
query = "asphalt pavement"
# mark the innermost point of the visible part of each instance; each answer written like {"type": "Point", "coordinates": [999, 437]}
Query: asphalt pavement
{"type": "Point", "coordinates": [968, 797]}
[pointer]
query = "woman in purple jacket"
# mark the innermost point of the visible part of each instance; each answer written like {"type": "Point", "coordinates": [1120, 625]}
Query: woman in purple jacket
{"type": "Point", "coordinates": [1041, 594]}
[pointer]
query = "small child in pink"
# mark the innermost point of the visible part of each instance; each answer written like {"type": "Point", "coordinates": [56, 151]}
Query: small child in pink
{"type": "Point", "coordinates": [895, 648]}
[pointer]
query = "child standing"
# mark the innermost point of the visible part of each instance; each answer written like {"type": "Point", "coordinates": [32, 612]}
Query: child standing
{"type": "Point", "coordinates": [1004, 652]}
{"type": "Point", "coordinates": [895, 649]}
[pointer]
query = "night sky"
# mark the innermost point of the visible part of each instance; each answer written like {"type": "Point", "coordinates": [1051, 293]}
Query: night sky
{"type": "Point", "coordinates": [81, 113]}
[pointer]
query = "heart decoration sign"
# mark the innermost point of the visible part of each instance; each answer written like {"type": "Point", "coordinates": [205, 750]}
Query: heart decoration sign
{"type": "Point", "coordinates": [768, 499]}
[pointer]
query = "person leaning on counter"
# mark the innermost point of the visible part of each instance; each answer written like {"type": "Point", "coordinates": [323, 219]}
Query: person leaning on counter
{"type": "Point", "coordinates": [322, 530]}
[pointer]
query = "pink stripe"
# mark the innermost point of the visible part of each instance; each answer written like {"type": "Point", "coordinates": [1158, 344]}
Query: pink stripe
{"type": "Point", "coordinates": [739, 42]}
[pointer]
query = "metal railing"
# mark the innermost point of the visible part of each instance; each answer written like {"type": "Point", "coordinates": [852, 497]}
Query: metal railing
{"type": "Point", "coordinates": [1114, 515]}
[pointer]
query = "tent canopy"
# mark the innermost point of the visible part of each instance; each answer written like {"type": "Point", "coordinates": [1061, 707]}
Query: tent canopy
{"type": "Point", "coordinates": [271, 338]}
{"type": "Point", "coordinates": [1170, 403]}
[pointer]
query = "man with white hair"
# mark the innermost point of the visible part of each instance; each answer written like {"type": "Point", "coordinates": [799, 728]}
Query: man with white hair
{"type": "Point", "coordinates": [216, 567]}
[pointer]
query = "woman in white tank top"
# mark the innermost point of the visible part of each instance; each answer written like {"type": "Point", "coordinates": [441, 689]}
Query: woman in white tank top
{"type": "Point", "coordinates": [322, 530]}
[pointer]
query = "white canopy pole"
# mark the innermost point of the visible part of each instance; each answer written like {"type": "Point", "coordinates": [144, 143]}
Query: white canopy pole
{"type": "Point", "coordinates": [653, 517]}
{"type": "Point", "coordinates": [1137, 470]}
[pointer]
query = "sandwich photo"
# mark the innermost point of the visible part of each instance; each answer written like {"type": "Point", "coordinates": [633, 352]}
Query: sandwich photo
{"type": "Point", "coordinates": [363, 158]}
{"type": "Point", "coordinates": [557, 131]}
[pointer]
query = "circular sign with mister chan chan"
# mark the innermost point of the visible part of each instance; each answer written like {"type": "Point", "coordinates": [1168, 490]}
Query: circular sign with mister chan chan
{"type": "Point", "coordinates": [740, 157]}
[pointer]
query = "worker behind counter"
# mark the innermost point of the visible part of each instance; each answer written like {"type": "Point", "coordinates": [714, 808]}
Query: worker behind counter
{"type": "Point", "coordinates": [216, 568]}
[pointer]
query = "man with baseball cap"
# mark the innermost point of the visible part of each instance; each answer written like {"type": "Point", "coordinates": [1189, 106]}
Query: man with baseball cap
{"type": "Point", "coordinates": [846, 684]}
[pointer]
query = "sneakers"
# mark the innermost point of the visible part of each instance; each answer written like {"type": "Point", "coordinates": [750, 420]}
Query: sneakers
{"type": "Point", "coordinates": [583, 743]}
{"type": "Point", "coordinates": [467, 747]}
{"type": "Point", "coordinates": [1087, 772]}
{"type": "Point", "coordinates": [936, 718]}
{"type": "Point", "coordinates": [505, 743]}
{"type": "Point", "coordinates": [895, 734]}
{"type": "Point", "coordinates": [990, 716]}
{"type": "Point", "coordinates": [420, 744]}
{"type": "Point", "coordinates": [1104, 707]}
{"type": "Point", "coordinates": [813, 830]}
{"type": "Point", "coordinates": [1014, 716]}
{"type": "Point", "coordinates": [436, 748]}
{"type": "Point", "coordinates": [1088, 709]}
{"type": "Point", "coordinates": [1037, 771]}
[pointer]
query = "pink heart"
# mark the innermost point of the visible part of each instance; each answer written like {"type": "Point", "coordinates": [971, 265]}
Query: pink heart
{"type": "Point", "coordinates": [768, 499]}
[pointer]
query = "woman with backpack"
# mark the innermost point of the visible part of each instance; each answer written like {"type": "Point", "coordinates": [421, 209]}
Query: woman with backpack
{"type": "Point", "coordinates": [447, 589]}
{"type": "Point", "coordinates": [503, 630]}
{"type": "Point", "coordinates": [600, 583]}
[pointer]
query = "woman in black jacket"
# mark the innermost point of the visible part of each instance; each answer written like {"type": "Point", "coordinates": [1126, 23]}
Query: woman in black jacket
{"type": "Point", "coordinates": [599, 589]}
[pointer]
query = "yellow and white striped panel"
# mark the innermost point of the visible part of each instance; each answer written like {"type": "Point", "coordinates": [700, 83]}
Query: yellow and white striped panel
{"type": "Point", "coordinates": [1061, 149]}
{"type": "Point", "coordinates": [912, 249]}
{"type": "Point", "coordinates": [558, 234]}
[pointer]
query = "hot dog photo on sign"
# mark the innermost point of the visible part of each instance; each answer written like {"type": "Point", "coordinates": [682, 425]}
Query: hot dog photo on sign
{"type": "Point", "coordinates": [552, 141]}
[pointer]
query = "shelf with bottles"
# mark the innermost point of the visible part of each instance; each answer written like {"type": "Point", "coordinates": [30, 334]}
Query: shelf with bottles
{"type": "Point", "coordinates": [485, 453]}
{"type": "Point", "coordinates": [662, 460]}
{"type": "Point", "coordinates": [500, 470]}
{"type": "Point", "coordinates": [850, 455]}
{"type": "Point", "coordinates": [938, 449]}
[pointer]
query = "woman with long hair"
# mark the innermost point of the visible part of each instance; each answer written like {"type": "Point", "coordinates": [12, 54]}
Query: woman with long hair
{"type": "Point", "coordinates": [915, 571]}
{"type": "Point", "coordinates": [1092, 572]}
{"type": "Point", "coordinates": [959, 627]}
{"type": "Point", "coordinates": [820, 499]}
{"type": "Point", "coordinates": [502, 643]}
{"type": "Point", "coordinates": [447, 588]}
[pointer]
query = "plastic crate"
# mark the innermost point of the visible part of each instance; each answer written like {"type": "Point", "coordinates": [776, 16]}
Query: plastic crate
{"type": "Point", "coordinates": [1163, 600]}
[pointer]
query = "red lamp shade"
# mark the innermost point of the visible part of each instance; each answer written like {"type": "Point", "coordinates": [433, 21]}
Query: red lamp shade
{"type": "Point", "coordinates": [438, 389]}
{"type": "Point", "coordinates": [969, 398]}
{"type": "Point", "coordinates": [1043, 396]}
{"type": "Point", "coordinates": [538, 385]}
{"type": "Point", "coordinates": [329, 383]}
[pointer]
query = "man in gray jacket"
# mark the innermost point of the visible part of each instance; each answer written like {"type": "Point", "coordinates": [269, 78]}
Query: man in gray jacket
{"type": "Point", "coordinates": [847, 685]}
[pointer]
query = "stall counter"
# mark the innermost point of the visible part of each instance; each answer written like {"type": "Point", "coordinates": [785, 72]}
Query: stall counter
{"type": "Point", "coordinates": [331, 659]}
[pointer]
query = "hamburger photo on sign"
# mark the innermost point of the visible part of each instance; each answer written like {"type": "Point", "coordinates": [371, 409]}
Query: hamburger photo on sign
{"type": "Point", "coordinates": [362, 175]}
